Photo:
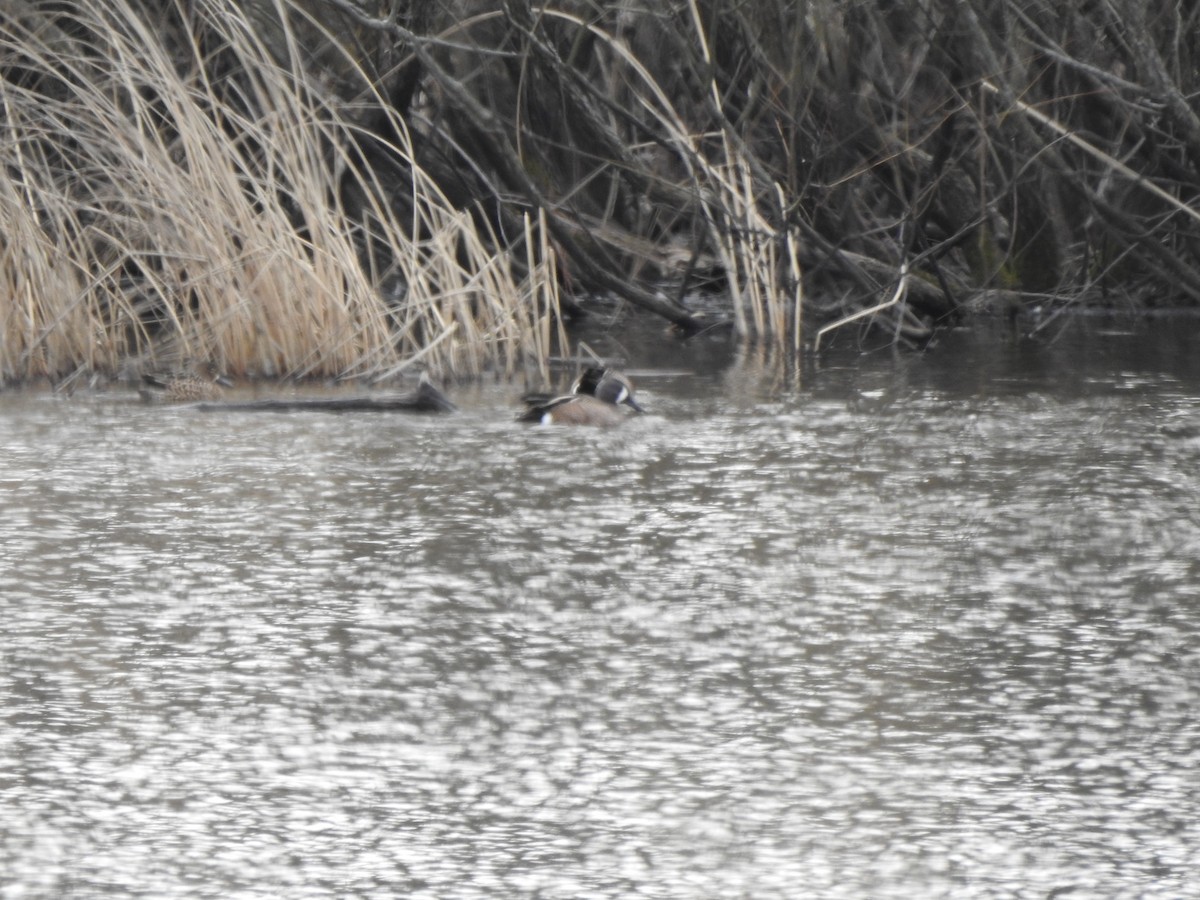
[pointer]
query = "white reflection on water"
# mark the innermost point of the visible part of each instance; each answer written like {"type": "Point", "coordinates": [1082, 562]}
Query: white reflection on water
{"type": "Point", "coordinates": [940, 647]}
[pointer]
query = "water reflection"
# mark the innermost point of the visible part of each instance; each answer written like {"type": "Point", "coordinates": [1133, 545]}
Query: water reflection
{"type": "Point", "coordinates": [892, 637]}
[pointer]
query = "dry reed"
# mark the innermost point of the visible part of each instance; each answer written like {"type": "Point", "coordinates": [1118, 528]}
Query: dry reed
{"type": "Point", "coordinates": [153, 210]}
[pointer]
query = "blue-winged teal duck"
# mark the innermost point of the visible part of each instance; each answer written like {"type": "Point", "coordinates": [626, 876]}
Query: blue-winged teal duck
{"type": "Point", "coordinates": [197, 383]}
{"type": "Point", "coordinates": [596, 398]}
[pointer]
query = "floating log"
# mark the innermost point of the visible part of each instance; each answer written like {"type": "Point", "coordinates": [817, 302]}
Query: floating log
{"type": "Point", "coordinates": [426, 399]}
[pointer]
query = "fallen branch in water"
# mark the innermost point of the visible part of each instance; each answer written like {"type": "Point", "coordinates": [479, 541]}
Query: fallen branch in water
{"type": "Point", "coordinates": [331, 404]}
{"type": "Point", "coordinates": [425, 399]}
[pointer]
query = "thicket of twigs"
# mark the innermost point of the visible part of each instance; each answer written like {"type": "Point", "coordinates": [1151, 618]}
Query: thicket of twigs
{"type": "Point", "coordinates": [356, 186]}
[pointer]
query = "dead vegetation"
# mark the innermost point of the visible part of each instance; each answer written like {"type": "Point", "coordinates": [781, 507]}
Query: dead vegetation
{"type": "Point", "coordinates": [173, 189]}
{"type": "Point", "coordinates": [359, 187]}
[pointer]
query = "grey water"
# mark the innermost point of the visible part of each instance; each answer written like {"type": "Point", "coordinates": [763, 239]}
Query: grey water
{"type": "Point", "coordinates": [918, 626]}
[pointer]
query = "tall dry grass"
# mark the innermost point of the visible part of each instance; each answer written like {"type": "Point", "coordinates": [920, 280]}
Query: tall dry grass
{"type": "Point", "coordinates": [172, 189]}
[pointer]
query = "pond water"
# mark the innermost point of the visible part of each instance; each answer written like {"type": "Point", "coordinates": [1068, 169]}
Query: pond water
{"type": "Point", "coordinates": [927, 626]}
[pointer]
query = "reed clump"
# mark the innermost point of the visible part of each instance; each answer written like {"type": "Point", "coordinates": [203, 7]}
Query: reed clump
{"type": "Point", "coordinates": [174, 190]}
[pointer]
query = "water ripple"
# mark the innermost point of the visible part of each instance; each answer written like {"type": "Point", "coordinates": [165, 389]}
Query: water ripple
{"type": "Point", "coordinates": [906, 646]}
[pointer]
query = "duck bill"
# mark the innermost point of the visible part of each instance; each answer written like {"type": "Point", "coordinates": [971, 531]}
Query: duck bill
{"type": "Point", "coordinates": [633, 404]}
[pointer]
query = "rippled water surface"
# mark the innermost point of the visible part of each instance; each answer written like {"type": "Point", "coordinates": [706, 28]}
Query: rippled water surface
{"type": "Point", "coordinates": [927, 627]}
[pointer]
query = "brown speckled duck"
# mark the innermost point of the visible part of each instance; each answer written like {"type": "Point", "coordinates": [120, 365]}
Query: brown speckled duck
{"type": "Point", "coordinates": [197, 383]}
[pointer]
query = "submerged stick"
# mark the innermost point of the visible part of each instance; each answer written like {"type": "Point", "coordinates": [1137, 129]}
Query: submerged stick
{"type": "Point", "coordinates": [897, 296]}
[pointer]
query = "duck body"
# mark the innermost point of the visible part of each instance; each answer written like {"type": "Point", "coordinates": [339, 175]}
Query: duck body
{"type": "Point", "coordinates": [598, 398]}
{"type": "Point", "coordinates": [576, 410]}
